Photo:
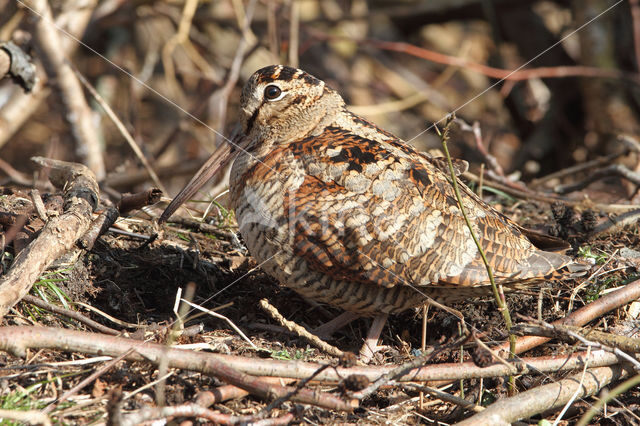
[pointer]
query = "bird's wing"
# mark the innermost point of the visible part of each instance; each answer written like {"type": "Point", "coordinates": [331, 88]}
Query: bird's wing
{"type": "Point", "coordinates": [379, 212]}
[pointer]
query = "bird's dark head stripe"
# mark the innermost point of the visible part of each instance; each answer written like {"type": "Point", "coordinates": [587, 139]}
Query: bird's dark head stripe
{"type": "Point", "coordinates": [283, 73]}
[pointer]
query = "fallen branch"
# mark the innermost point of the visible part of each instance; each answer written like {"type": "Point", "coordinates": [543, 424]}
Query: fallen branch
{"type": "Point", "coordinates": [59, 234]}
{"type": "Point", "coordinates": [17, 340]}
{"type": "Point", "coordinates": [573, 334]}
{"type": "Point", "coordinates": [546, 397]}
{"type": "Point", "coordinates": [606, 303]}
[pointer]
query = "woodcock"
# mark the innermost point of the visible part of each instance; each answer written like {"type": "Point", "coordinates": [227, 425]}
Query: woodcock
{"type": "Point", "coordinates": [348, 214]}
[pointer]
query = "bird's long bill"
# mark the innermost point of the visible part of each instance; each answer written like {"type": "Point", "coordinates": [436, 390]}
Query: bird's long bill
{"type": "Point", "coordinates": [217, 161]}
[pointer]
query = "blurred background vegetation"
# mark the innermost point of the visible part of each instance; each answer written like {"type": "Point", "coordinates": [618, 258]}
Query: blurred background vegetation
{"type": "Point", "coordinates": [395, 62]}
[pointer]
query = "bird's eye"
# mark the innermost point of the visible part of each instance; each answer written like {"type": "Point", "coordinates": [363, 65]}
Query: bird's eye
{"type": "Point", "coordinates": [273, 93]}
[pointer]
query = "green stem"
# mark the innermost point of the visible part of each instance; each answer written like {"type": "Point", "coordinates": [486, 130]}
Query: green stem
{"type": "Point", "coordinates": [498, 292]}
{"type": "Point", "coordinates": [595, 408]}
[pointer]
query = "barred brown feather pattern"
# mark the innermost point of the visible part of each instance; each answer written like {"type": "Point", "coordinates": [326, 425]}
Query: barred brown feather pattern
{"type": "Point", "coordinates": [348, 214]}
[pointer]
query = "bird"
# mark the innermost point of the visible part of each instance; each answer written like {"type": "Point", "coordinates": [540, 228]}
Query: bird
{"type": "Point", "coordinates": [346, 213]}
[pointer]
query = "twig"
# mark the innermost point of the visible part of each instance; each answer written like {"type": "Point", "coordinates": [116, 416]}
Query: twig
{"type": "Point", "coordinates": [38, 205]}
{"type": "Point", "coordinates": [609, 342]}
{"type": "Point", "coordinates": [548, 198]}
{"type": "Point", "coordinates": [227, 392]}
{"type": "Point", "coordinates": [587, 313]}
{"type": "Point", "coordinates": [202, 227]}
{"type": "Point", "coordinates": [500, 74]}
{"type": "Point", "coordinates": [406, 369]}
{"type": "Point", "coordinates": [99, 226]}
{"type": "Point", "coordinates": [294, 29]}
{"type": "Point", "coordinates": [121, 128]}
{"type": "Point", "coordinates": [148, 414]}
{"type": "Point", "coordinates": [575, 394]}
{"type": "Point", "coordinates": [20, 106]}
{"type": "Point", "coordinates": [59, 234]}
{"type": "Point", "coordinates": [78, 112]}
{"type": "Point", "coordinates": [17, 64]}
{"type": "Point", "coordinates": [618, 390]}
{"type": "Point", "coordinates": [445, 397]}
{"type": "Point", "coordinates": [615, 224]}
{"type": "Point", "coordinates": [181, 37]}
{"type": "Point", "coordinates": [109, 317]}
{"type": "Point", "coordinates": [138, 200]}
{"type": "Point", "coordinates": [300, 331]}
{"type": "Point", "coordinates": [16, 176]}
{"type": "Point", "coordinates": [587, 165]}
{"type": "Point", "coordinates": [284, 398]}
{"type": "Point", "coordinates": [546, 397]}
{"type": "Point", "coordinates": [217, 315]}
{"type": "Point", "coordinates": [612, 170]}
{"type": "Point", "coordinates": [99, 372]}
{"type": "Point", "coordinates": [17, 339]}
{"type": "Point", "coordinates": [477, 135]}
{"type": "Point", "coordinates": [71, 314]}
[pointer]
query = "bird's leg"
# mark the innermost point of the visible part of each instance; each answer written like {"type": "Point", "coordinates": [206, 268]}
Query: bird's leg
{"type": "Point", "coordinates": [370, 346]}
{"type": "Point", "coordinates": [330, 327]}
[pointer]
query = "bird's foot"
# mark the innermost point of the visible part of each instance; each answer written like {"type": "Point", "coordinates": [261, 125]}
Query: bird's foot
{"type": "Point", "coordinates": [370, 346]}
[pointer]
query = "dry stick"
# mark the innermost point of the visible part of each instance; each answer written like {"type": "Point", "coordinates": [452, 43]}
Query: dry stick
{"type": "Point", "coordinates": [615, 224]}
{"type": "Point", "coordinates": [78, 112]}
{"type": "Point", "coordinates": [601, 161]}
{"type": "Point", "coordinates": [148, 414]}
{"type": "Point", "coordinates": [446, 397]}
{"type": "Point", "coordinates": [71, 314]}
{"type": "Point", "coordinates": [595, 408]}
{"type": "Point", "coordinates": [294, 31]}
{"type": "Point", "coordinates": [16, 63]}
{"type": "Point", "coordinates": [121, 128]}
{"type": "Point", "coordinates": [15, 176]}
{"type": "Point", "coordinates": [179, 38]}
{"type": "Point", "coordinates": [17, 339]}
{"type": "Point", "coordinates": [227, 392]}
{"type": "Point", "coordinates": [497, 73]}
{"type": "Point", "coordinates": [59, 234]}
{"type": "Point", "coordinates": [612, 170]}
{"type": "Point", "coordinates": [608, 342]}
{"type": "Point", "coordinates": [542, 398]}
{"type": "Point", "coordinates": [587, 313]}
{"type": "Point", "coordinates": [500, 74]}
{"type": "Point", "coordinates": [99, 226]}
{"type": "Point", "coordinates": [300, 331]}
{"type": "Point", "coordinates": [20, 106]}
{"type": "Point", "coordinates": [138, 200]}
{"type": "Point", "coordinates": [498, 292]}
{"type": "Point", "coordinates": [548, 198]}
{"type": "Point", "coordinates": [406, 369]}
{"type": "Point", "coordinates": [99, 372]}
{"type": "Point", "coordinates": [131, 178]}
{"type": "Point", "coordinates": [31, 417]}
{"type": "Point", "coordinates": [21, 338]}
{"type": "Point", "coordinates": [221, 96]}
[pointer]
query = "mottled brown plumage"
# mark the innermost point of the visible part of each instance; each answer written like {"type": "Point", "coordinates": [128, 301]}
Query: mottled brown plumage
{"type": "Point", "coordinates": [346, 213]}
